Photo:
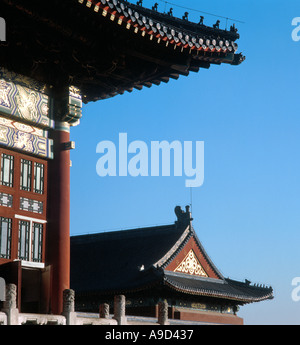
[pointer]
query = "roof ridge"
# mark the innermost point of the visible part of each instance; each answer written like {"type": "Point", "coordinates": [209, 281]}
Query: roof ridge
{"type": "Point", "coordinates": [183, 35]}
{"type": "Point", "coordinates": [175, 249]}
{"type": "Point", "coordinates": [247, 283]}
{"type": "Point", "coordinates": [122, 232]}
{"type": "Point", "coordinates": [206, 256]}
{"type": "Point", "coordinates": [185, 24]}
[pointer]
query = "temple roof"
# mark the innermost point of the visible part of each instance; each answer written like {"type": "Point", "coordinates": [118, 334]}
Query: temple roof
{"type": "Point", "coordinates": [107, 47]}
{"type": "Point", "coordinates": [225, 288]}
{"type": "Point", "coordinates": [141, 259]}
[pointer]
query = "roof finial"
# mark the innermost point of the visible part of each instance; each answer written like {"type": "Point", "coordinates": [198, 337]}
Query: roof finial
{"type": "Point", "coordinates": [217, 25]}
{"type": "Point", "coordinates": [155, 7]}
{"type": "Point", "coordinates": [201, 20]}
{"type": "Point", "coordinates": [140, 3]}
{"type": "Point", "coordinates": [183, 218]}
{"type": "Point", "coordinates": [186, 16]}
{"type": "Point", "coordinates": [170, 13]}
{"type": "Point", "coordinates": [233, 28]}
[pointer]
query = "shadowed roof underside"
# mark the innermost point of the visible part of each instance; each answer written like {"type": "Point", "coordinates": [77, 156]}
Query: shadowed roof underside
{"type": "Point", "coordinates": [105, 48]}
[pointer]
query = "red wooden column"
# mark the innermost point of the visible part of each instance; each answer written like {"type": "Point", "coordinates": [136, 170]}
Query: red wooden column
{"type": "Point", "coordinates": [58, 229]}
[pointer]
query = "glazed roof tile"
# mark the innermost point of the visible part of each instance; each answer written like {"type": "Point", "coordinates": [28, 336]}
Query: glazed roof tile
{"type": "Point", "coordinates": [180, 33]}
{"type": "Point", "coordinates": [227, 288]}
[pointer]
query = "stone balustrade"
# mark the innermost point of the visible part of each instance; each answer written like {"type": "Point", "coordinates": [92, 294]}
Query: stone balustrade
{"type": "Point", "coordinates": [10, 315]}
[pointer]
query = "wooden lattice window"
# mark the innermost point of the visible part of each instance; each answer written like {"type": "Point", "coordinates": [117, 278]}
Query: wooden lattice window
{"type": "Point", "coordinates": [5, 237]}
{"type": "Point", "coordinates": [25, 180]}
{"type": "Point", "coordinates": [7, 170]}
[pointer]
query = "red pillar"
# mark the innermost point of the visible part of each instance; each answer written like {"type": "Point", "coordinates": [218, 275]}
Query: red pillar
{"type": "Point", "coordinates": [58, 229]}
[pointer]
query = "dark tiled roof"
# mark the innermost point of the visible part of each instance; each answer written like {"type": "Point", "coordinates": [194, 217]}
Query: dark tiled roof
{"type": "Point", "coordinates": [226, 288]}
{"type": "Point", "coordinates": [112, 261]}
{"type": "Point", "coordinates": [136, 260]}
{"type": "Point", "coordinates": [175, 46]}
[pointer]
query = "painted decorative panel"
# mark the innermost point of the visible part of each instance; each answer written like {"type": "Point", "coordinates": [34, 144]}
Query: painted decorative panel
{"type": "Point", "coordinates": [25, 137]}
{"type": "Point", "coordinates": [24, 104]}
{"type": "Point", "coordinates": [22, 80]}
{"type": "Point", "coordinates": [27, 99]}
{"type": "Point", "coordinates": [23, 127]}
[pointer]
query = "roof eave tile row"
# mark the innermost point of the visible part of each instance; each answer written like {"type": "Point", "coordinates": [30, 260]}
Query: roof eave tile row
{"type": "Point", "coordinates": [235, 295]}
{"type": "Point", "coordinates": [160, 32]}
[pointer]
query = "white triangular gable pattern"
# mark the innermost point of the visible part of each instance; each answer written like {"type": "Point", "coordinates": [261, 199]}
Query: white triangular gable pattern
{"type": "Point", "coordinates": [191, 265]}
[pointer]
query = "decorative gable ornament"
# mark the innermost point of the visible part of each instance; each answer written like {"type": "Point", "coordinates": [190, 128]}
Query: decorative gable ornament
{"type": "Point", "coordinates": [191, 265]}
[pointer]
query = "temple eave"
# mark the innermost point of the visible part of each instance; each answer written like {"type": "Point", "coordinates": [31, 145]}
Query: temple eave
{"type": "Point", "coordinates": [141, 49]}
{"type": "Point", "coordinates": [241, 300]}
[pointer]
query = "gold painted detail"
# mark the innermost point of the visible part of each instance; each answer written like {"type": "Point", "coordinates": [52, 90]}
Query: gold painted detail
{"type": "Point", "coordinates": [74, 92]}
{"type": "Point", "coordinates": [191, 265]}
{"type": "Point", "coordinates": [198, 306]}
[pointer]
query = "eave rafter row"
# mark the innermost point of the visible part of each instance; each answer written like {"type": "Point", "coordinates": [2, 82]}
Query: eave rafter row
{"type": "Point", "coordinates": [215, 50]}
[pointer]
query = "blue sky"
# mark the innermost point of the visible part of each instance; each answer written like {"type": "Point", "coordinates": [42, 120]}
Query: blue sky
{"type": "Point", "coordinates": [246, 214]}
